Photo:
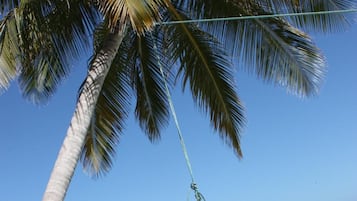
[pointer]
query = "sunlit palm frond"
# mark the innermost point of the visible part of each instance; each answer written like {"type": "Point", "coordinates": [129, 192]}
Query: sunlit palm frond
{"type": "Point", "coordinates": [284, 55]}
{"type": "Point", "coordinates": [275, 50]}
{"type": "Point", "coordinates": [142, 14]}
{"type": "Point", "coordinates": [292, 60]}
{"type": "Point", "coordinates": [152, 103]}
{"type": "Point", "coordinates": [316, 22]}
{"type": "Point", "coordinates": [111, 110]}
{"type": "Point", "coordinates": [204, 65]}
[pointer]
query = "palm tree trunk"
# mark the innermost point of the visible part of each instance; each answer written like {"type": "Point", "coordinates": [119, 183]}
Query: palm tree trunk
{"type": "Point", "coordinates": [76, 134]}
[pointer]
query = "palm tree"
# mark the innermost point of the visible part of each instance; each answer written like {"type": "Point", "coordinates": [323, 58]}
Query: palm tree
{"type": "Point", "coordinates": [38, 39]}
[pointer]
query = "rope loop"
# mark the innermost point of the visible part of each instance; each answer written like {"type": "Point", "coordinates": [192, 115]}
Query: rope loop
{"type": "Point", "coordinates": [198, 195]}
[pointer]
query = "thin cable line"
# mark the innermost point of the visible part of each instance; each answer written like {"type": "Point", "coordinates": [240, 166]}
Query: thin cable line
{"type": "Point", "coordinates": [198, 195]}
{"type": "Point", "coordinates": [173, 112]}
{"type": "Point", "coordinates": [257, 17]}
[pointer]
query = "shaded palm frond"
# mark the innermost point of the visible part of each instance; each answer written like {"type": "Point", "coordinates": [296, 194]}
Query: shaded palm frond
{"type": "Point", "coordinates": [204, 65]}
{"type": "Point", "coordinates": [318, 22]}
{"type": "Point", "coordinates": [111, 110]}
{"type": "Point", "coordinates": [142, 14]}
{"type": "Point", "coordinates": [48, 35]}
{"type": "Point", "coordinates": [152, 104]}
{"type": "Point", "coordinates": [71, 25]}
{"type": "Point", "coordinates": [39, 81]}
{"type": "Point", "coordinates": [8, 50]}
{"type": "Point", "coordinates": [271, 47]}
{"type": "Point", "coordinates": [40, 65]}
{"type": "Point", "coordinates": [100, 32]}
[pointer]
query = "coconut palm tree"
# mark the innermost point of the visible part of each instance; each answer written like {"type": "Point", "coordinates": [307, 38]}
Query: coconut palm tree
{"type": "Point", "coordinates": [38, 39]}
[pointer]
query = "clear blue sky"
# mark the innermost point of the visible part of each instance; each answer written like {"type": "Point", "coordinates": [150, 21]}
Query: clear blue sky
{"type": "Point", "coordinates": [294, 149]}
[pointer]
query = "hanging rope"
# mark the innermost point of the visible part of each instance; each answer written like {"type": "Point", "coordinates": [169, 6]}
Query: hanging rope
{"type": "Point", "coordinates": [198, 195]}
{"type": "Point", "coordinates": [258, 16]}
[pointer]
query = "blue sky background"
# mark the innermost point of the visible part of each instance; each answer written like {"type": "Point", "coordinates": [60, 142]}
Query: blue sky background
{"type": "Point", "coordinates": [294, 149]}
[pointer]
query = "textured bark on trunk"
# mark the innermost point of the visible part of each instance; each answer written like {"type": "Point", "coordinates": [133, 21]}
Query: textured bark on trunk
{"type": "Point", "coordinates": [70, 151]}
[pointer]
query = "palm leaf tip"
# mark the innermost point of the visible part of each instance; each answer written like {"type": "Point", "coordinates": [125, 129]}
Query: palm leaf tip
{"type": "Point", "coordinates": [305, 76]}
{"type": "Point", "coordinates": [231, 125]}
{"type": "Point", "coordinates": [6, 75]}
{"type": "Point", "coordinates": [284, 55]}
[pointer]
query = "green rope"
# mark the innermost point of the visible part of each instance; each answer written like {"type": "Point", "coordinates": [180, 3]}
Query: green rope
{"type": "Point", "coordinates": [198, 195]}
{"type": "Point", "coordinates": [258, 16]}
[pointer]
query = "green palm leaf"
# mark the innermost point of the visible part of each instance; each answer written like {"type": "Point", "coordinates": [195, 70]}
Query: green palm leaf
{"type": "Point", "coordinates": [205, 67]}
{"type": "Point", "coordinates": [152, 105]}
{"type": "Point", "coordinates": [48, 35]}
{"type": "Point", "coordinates": [270, 47]}
{"type": "Point", "coordinates": [70, 25]}
{"type": "Point", "coordinates": [41, 68]}
{"type": "Point", "coordinates": [8, 50]}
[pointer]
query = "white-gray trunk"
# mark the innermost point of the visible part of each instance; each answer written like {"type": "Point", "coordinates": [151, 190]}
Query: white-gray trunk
{"type": "Point", "coordinates": [69, 154]}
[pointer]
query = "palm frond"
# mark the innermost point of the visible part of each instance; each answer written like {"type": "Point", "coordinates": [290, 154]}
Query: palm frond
{"type": "Point", "coordinates": [152, 105]}
{"type": "Point", "coordinates": [318, 22]}
{"type": "Point", "coordinates": [71, 25]}
{"type": "Point", "coordinates": [284, 55]}
{"type": "Point", "coordinates": [271, 47]}
{"type": "Point", "coordinates": [40, 67]}
{"type": "Point", "coordinates": [205, 67]}
{"type": "Point", "coordinates": [142, 14]}
{"type": "Point", "coordinates": [46, 36]}
{"type": "Point", "coordinates": [106, 88]}
{"type": "Point", "coordinates": [8, 50]}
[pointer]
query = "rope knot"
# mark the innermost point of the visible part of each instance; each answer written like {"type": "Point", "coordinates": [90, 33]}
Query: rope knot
{"type": "Point", "coordinates": [194, 186]}
{"type": "Point", "coordinates": [198, 195]}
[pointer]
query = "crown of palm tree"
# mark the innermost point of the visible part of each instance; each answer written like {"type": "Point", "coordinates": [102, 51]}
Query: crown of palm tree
{"type": "Point", "coordinates": [39, 39]}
